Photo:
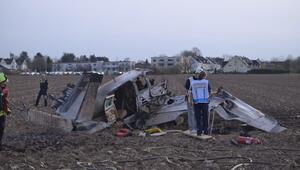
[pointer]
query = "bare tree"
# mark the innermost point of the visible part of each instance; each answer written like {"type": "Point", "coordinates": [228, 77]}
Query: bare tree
{"type": "Point", "coordinates": [185, 64]}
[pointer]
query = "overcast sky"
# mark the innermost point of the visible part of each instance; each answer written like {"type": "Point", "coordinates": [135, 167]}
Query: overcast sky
{"type": "Point", "coordinates": [140, 29]}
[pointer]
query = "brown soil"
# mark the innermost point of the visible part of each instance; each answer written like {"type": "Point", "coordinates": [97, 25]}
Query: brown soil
{"type": "Point", "coordinates": [29, 146]}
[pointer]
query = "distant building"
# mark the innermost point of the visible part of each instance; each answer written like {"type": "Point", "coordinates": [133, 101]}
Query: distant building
{"type": "Point", "coordinates": [275, 65]}
{"type": "Point", "coordinates": [143, 64]}
{"type": "Point", "coordinates": [217, 60]}
{"type": "Point", "coordinates": [109, 67]}
{"type": "Point", "coordinates": [112, 67]}
{"type": "Point", "coordinates": [204, 63]}
{"type": "Point", "coordinates": [8, 63]}
{"type": "Point", "coordinates": [22, 65]}
{"type": "Point", "coordinates": [74, 66]}
{"type": "Point", "coordinates": [165, 62]}
{"type": "Point", "coordinates": [240, 64]}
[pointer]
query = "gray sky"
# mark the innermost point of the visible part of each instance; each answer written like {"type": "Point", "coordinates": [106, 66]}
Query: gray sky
{"type": "Point", "coordinates": [145, 28]}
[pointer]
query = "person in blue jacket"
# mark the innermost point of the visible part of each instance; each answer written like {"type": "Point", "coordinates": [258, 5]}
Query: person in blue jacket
{"type": "Point", "coordinates": [201, 90]}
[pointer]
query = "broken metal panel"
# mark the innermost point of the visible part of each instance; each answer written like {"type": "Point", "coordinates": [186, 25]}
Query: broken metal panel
{"type": "Point", "coordinates": [159, 89]}
{"type": "Point", "coordinates": [87, 108]}
{"type": "Point", "coordinates": [77, 91]}
{"type": "Point", "coordinates": [231, 108]}
{"type": "Point", "coordinates": [112, 86]}
{"type": "Point", "coordinates": [79, 106]}
{"type": "Point", "coordinates": [174, 104]}
{"type": "Point", "coordinates": [170, 110]}
{"type": "Point", "coordinates": [72, 108]}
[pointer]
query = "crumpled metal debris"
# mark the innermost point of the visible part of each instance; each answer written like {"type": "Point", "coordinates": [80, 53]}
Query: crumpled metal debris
{"type": "Point", "coordinates": [92, 107]}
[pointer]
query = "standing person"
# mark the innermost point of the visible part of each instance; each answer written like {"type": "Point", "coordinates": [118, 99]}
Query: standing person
{"type": "Point", "coordinates": [191, 116]}
{"type": "Point", "coordinates": [4, 109]}
{"type": "Point", "coordinates": [201, 90]}
{"type": "Point", "coordinates": [43, 90]}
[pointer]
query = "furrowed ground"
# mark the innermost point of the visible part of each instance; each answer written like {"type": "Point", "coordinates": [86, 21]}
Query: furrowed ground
{"type": "Point", "coordinates": [29, 146]}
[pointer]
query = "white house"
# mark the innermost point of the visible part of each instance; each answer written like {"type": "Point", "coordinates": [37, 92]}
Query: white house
{"type": "Point", "coordinates": [22, 65]}
{"type": "Point", "coordinates": [236, 64]}
{"type": "Point", "coordinates": [202, 63]}
{"type": "Point", "coordinates": [240, 64]}
{"type": "Point", "coordinates": [9, 63]}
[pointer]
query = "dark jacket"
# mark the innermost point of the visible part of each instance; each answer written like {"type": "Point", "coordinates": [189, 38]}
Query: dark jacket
{"type": "Point", "coordinates": [43, 87]}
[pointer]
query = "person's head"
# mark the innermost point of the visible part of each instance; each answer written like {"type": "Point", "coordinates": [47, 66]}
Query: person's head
{"type": "Point", "coordinates": [202, 75]}
{"type": "Point", "coordinates": [43, 77]}
{"type": "Point", "coordinates": [3, 79]}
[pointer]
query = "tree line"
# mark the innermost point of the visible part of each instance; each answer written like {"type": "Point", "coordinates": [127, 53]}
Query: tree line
{"type": "Point", "coordinates": [44, 63]}
{"type": "Point", "coordinates": [292, 65]}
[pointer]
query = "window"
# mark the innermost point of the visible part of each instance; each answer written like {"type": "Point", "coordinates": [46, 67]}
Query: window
{"type": "Point", "coordinates": [170, 60]}
{"type": "Point", "coordinates": [161, 60]}
{"type": "Point", "coordinates": [154, 60]}
{"type": "Point", "coordinates": [161, 64]}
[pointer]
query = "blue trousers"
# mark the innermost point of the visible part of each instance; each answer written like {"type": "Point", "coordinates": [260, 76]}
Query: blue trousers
{"type": "Point", "coordinates": [201, 114]}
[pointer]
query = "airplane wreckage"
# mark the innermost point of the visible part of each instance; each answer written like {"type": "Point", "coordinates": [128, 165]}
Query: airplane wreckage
{"type": "Point", "coordinates": [90, 106]}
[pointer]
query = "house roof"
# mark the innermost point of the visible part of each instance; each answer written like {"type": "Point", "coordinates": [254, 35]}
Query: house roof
{"type": "Point", "coordinates": [8, 60]}
{"type": "Point", "coordinates": [2, 68]}
{"type": "Point", "coordinates": [211, 60]}
{"type": "Point", "coordinates": [235, 57]}
{"type": "Point", "coordinates": [245, 59]}
{"type": "Point", "coordinates": [217, 60]}
{"type": "Point", "coordinates": [256, 62]}
{"type": "Point", "coordinates": [200, 59]}
{"type": "Point", "coordinates": [224, 63]}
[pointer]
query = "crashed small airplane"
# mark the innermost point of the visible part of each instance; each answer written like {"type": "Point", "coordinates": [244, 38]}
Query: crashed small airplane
{"type": "Point", "coordinates": [93, 107]}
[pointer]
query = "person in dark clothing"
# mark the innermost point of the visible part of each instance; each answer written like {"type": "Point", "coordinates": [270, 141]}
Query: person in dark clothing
{"type": "Point", "coordinates": [190, 110]}
{"type": "Point", "coordinates": [201, 90]}
{"type": "Point", "coordinates": [4, 109]}
{"type": "Point", "coordinates": [43, 91]}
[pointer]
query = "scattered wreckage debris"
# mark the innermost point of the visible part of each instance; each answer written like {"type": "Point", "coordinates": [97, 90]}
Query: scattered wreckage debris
{"type": "Point", "coordinates": [93, 107]}
{"type": "Point", "coordinates": [246, 140]}
{"type": "Point", "coordinates": [230, 107]}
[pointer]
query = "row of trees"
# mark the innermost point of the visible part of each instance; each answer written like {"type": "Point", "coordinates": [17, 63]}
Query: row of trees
{"type": "Point", "coordinates": [39, 63]}
{"type": "Point", "coordinates": [42, 63]}
{"type": "Point", "coordinates": [70, 57]}
{"type": "Point", "coordinates": [292, 65]}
